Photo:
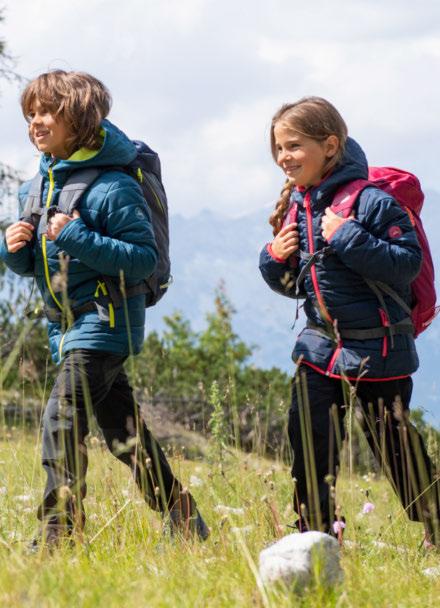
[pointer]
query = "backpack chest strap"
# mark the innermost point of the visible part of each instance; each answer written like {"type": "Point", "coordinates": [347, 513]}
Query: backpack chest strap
{"type": "Point", "coordinates": [404, 327]}
{"type": "Point", "coordinates": [310, 259]}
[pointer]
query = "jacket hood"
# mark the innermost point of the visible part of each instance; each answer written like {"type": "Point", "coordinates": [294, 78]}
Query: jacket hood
{"type": "Point", "coordinates": [352, 166]}
{"type": "Point", "coordinates": [116, 150]}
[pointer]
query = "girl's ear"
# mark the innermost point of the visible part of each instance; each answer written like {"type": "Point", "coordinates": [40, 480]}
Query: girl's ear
{"type": "Point", "coordinates": [331, 145]}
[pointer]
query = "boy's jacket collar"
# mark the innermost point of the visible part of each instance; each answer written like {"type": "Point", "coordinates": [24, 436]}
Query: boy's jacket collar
{"type": "Point", "coordinates": [116, 150]}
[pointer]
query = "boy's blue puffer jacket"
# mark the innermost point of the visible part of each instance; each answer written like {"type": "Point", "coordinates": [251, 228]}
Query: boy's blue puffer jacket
{"type": "Point", "coordinates": [113, 234]}
{"type": "Point", "coordinates": [379, 244]}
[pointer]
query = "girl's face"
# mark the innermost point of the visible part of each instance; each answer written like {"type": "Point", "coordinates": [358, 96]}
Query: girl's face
{"type": "Point", "coordinates": [302, 158]}
{"type": "Point", "coordinates": [48, 133]}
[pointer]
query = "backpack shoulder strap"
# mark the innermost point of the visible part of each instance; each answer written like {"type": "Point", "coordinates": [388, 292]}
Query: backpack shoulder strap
{"type": "Point", "coordinates": [291, 214]}
{"type": "Point", "coordinates": [75, 187]}
{"type": "Point", "coordinates": [33, 200]}
{"type": "Point", "coordinates": [346, 197]}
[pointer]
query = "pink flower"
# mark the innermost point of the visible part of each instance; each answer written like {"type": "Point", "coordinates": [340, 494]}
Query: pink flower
{"type": "Point", "coordinates": [338, 526]}
{"type": "Point", "coordinates": [367, 508]}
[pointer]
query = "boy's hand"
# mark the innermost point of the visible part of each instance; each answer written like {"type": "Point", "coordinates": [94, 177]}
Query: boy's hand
{"type": "Point", "coordinates": [57, 223]}
{"type": "Point", "coordinates": [286, 241]}
{"type": "Point", "coordinates": [18, 235]}
{"type": "Point", "coordinates": [331, 222]}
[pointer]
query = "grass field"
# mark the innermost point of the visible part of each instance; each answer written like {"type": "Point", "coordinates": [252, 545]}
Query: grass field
{"type": "Point", "coordinates": [124, 561]}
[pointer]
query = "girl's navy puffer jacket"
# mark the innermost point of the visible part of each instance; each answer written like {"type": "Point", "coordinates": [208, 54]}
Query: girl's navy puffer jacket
{"type": "Point", "coordinates": [113, 235]}
{"type": "Point", "coordinates": [380, 244]}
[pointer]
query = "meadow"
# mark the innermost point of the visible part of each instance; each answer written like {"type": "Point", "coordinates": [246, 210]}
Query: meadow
{"type": "Point", "coordinates": [124, 560]}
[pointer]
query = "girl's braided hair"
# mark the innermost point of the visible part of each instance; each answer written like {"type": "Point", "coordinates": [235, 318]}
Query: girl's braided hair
{"type": "Point", "coordinates": [81, 100]}
{"type": "Point", "coordinates": [313, 117]}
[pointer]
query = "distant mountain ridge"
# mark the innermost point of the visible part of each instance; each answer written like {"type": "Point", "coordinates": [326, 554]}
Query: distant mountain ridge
{"type": "Point", "coordinates": [210, 247]}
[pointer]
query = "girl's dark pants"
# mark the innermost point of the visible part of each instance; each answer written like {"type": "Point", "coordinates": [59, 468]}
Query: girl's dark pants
{"type": "Point", "coordinates": [316, 431]}
{"type": "Point", "coordinates": [93, 382]}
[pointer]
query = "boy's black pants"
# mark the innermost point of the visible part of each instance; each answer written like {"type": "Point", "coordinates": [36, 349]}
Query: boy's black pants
{"type": "Point", "coordinates": [316, 430]}
{"type": "Point", "coordinates": [93, 382]}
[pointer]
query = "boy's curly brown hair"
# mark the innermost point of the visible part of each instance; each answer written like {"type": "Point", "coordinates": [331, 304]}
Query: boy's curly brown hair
{"type": "Point", "coordinates": [81, 100]}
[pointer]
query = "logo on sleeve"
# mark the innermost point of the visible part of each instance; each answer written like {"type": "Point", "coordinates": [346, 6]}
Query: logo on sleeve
{"type": "Point", "coordinates": [140, 213]}
{"type": "Point", "coordinates": [394, 232]}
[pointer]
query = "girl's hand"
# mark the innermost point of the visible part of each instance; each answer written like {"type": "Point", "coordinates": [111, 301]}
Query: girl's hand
{"type": "Point", "coordinates": [286, 241]}
{"type": "Point", "coordinates": [331, 222]}
{"type": "Point", "coordinates": [18, 235]}
{"type": "Point", "coordinates": [57, 223]}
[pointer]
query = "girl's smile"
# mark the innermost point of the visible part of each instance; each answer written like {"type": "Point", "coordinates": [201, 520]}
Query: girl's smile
{"type": "Point", "coordinates": [302, 158]}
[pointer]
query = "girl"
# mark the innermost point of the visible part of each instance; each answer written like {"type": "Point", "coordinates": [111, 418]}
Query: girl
{"type": "Point", "coordinates": [110, 234]}
{"type": "Point", "coordinates": [377, 243]}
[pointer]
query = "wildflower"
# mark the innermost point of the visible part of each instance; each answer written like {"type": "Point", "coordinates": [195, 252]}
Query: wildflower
{"type": "Point", "coordinates": [224, 510]}
{"type": "Point", "coordinates": [338, 526]}
{"type": "Point", "coordinates": [24, 497]}
{"type": "Point", "coordinates": [243, 530]}
{"type": "Point", "coordinates": [195, 482]}
{"type": "Point", "coordinates": [367, 508]}
{"type": "Point", "coordinates": [433, 572]}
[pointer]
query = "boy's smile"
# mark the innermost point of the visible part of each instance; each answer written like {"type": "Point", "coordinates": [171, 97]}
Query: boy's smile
{"type": "Point", "coordinates": [48, 133]}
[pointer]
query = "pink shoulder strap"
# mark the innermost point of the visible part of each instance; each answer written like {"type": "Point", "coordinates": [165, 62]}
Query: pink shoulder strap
{"type": "Point", "coordinates": [346, 197]}
{"type": "Point", "coordinates": [291, 215]}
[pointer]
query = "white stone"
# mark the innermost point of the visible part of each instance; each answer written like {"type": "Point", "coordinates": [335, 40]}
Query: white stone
{"type": "Point", "coordinates": [293, 558]}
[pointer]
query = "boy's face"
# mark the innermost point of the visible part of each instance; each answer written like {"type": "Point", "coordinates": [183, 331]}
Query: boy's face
{"type": "Point", "coordinates": [48, 133]}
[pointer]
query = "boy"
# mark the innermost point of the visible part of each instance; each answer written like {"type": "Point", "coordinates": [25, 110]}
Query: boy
{"type": "Point", "coordinates": [110, 234]}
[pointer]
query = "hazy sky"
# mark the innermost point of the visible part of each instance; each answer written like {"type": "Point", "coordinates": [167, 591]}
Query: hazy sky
{"type": "Point", "coordinates": [200, 79]}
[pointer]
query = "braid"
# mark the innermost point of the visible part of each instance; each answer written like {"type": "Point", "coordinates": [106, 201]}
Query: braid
{"type": "Point", "coordinates": [277, 216]}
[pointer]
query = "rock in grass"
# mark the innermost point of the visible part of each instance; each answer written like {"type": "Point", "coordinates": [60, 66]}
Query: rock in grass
{"type": "Point", "coordinates": [301, 558]}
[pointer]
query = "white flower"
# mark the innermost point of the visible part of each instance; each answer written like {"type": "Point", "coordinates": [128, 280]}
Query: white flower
{"type": "Point", "coordinates": [24, 497]}
{"type": "Point", "coordinates": [433, 572]}
{"type": "Point", "coordinates": [195, 482]}
{"type": "Point", "coordinates": [224, 510]}
{"type": "Point", "coordinates": [243, 530]}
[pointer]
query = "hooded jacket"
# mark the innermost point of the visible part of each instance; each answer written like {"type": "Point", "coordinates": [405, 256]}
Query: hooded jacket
{"type": "Point", "coordinates": [114, 235]}
{"type": "Point", "coordinates": [380, 244]}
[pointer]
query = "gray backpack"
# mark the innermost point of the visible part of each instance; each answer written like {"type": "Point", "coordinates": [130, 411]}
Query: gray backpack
{"type": "Point", "coordinates": [145, 169]}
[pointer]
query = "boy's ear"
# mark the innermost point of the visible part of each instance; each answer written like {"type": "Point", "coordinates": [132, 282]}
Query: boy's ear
{"type": "Point", "coordinates": [331, 145]}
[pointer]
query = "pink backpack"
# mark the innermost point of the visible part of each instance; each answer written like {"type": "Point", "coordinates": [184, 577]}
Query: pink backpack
{"type": "Point", "coordinates": [405, 189]}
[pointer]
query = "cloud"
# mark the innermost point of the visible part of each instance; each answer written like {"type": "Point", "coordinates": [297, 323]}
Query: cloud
{"type": "Point", "coordinates": [199, 81]}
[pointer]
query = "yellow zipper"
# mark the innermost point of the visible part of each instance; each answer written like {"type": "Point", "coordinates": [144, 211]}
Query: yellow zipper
{"type": "Point", "coordinates": [44, 244]}
{"type": "Point", "coordinates": [111, 311]}
{"type": "Point", "coordinates": [46, 261]}
{"type": "Point", "coordinates": [140, 178]}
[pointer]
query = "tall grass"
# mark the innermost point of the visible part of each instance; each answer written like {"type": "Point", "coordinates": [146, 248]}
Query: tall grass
{"type": "Point", "coordinates": [124, 560]}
